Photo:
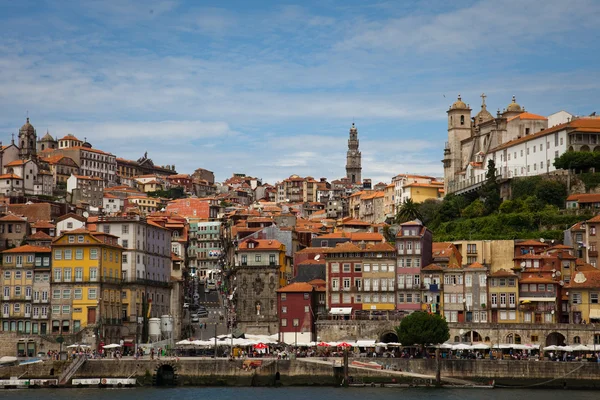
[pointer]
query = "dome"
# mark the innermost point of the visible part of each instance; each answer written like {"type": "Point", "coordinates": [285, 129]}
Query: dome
{"type": "Point", "coordinates": [514, 106]}
{"type": "Point", "coordinates": [459, 104]}
{"type": "Point", "coordinates": [483, 115]}
{"type": "Point", "coordinates": [47, 138]}
{"type": "Point", "coordinates": [27, 128]}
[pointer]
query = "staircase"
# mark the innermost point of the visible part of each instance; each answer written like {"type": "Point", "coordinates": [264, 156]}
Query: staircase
{"type": "Point", "coordinates": [68, 373]}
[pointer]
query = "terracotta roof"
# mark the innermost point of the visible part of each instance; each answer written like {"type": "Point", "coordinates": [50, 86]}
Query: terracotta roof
{"type": "Point", "coordinates": [39, 235]}
{"type": "Point", "coordinates": [354, 236]}
{"type": "Point", "coordinates": [527, 115]}
{"type": "Point", "coordinates": [16, 162]}
{"type": "Point", "coordinates": [531, 243]}
{"type": "Point", "coordinates": [28, 249]}
{"type": "Point", "coordinates": [429, 185]}
{"type": "Point", "coordinates": [89, 178]}
{"type": "Point", "coordinates": [12, 217]}
{"type": "Point", "coordinates": [175, 257]}
{"type": "Point", "coordinates": [503, 273]}
{"type": "Point", "coordinates": [476, 265]}
{"type": "Point", "coordinates": [343, 248]}
{"type": "Point", "coordinates": [10, 176]}
{"type": "Point", "coordinates": [297, 287]}
{"type": "Point", "coordinates": [312, 262]}
{"type": "Point", "coordinates": [71, 215]}
{"type": "Point", "coordinates": [310, 250]}
{"type": "Point", "coordinates": [591, 280]}
{"type": "Point", "coordinates": [41, 224]}
{"type": "Point", "coordinates": [536, 279]}
{"type": "Point", "coordinates": [441, 249]}
{"type": "Point", "coordinates": [70, 136]}
{"type": "Point", "coordinates": [577, 125]}
{"type": "Point", "coordinates": [585, 197]}
{"type": "Point", "coordinates": [433, 267]}
{"type": "Point", "coordinates": [261, 244]}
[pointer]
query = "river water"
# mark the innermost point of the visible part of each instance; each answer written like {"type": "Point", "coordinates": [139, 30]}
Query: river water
{"type": "Point", "coordinates": [296, 393]}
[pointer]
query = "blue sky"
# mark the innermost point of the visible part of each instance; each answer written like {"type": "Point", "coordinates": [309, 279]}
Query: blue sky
{"type": "Point", "coordinates": [271, 88]}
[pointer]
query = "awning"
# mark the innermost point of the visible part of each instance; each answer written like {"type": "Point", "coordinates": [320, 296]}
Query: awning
{"type": "Point", "coordinates": [594, 314]}
{"type": "Point", "coordinates": [340, 311]}
{"type": "Point", "coordinates": [529, 299]}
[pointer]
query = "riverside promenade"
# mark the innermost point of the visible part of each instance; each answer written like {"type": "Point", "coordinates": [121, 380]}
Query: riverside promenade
{"type": "Point", "coordinates": [198, 371]}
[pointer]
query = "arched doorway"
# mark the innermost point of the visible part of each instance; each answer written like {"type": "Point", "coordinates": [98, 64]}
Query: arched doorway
{"type": "Point", "coordinates": [513, 338]}
{"type": "Point", "coordinates": [585, 147]}
{"type": "Point", "coordinates": [389, 337]}
{"type": "Point", "coordinates": [471, 336]}
{"type": "Point", "coordinates": [555, 339]}
{"type": "Point", "coordinates": [165, 375]}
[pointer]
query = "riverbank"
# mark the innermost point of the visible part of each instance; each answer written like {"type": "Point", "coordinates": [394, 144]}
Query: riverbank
{"type": "Point", "coordinates": [319, 372]}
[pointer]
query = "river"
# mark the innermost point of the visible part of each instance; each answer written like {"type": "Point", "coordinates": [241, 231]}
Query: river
{"type": "Point", "coordinates": [294, 393]}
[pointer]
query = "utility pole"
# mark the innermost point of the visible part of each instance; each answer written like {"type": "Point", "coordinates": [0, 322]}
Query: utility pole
{"type": "Point", "coordinates": [215, 341]}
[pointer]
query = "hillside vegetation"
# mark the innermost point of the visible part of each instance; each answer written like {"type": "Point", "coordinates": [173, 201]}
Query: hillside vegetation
{"type": "Point", "coordinates": [534, 212]}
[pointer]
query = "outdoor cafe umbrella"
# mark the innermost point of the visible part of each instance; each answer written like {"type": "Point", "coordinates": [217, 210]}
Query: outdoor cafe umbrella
{"type": "Point", "coordinates": [323, 344]}
{"type": "Point", "coordinates": [344, 344]}
{"type": "Point", "coordinates": [260, 346]}
{"type": "Point", "coordinates": [112, 346]}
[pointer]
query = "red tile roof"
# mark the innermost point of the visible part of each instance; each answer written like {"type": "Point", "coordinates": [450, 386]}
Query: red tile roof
{"type": "Point", "coordinates": [261, 244]}
{"type": "Point", "coordinates": [28, 249]}
{"type": "Point", "coordinates": [297, 287]}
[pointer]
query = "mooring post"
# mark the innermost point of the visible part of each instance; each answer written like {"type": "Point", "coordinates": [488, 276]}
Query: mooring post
{"type": "Point", "coordinates": [438, 368]}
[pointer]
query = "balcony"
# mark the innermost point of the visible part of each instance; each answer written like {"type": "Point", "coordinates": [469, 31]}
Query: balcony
{"type": "Point", "coordinates": [5, 315]}
{"type": "Point", "coordinates": [36, 316]}
{"type": "Point", "coordinates": [44, 300]}
{"type": "Point", "coordinates": [27, 315]}
{"type": "Point", "coordinates": [5, 298]}
{"type": "Point", "coordinates": [27, 297]}
{"type": "Point", "coordinates": [36, 301]}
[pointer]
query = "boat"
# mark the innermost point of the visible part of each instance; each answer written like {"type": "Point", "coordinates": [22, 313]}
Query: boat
{"type": "Point", "coordinates": [104, 382]}
{"type": "Point", "coordinates": [7, 361]}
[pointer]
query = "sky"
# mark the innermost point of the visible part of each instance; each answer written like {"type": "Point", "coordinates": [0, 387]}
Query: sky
{"type": "Point", "coordinates": [270, 89]}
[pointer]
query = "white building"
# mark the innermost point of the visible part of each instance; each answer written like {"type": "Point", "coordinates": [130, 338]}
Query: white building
{"type": "Point", "coordinates": [69, 222]}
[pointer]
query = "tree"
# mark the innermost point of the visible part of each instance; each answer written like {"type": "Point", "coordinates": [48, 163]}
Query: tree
{"type": "Point", "coordinates": [430, 210]}
{"type": "Point", "coordinates": [422, 328]}
{"type": "Point", "coordinates": [408, 211]}
{"type": "Point", "coordinates": [490, 191]}
{"type": "Point", "coordinates": [551, 192]}
{"type": "Point", "coordinates": [474, 210]}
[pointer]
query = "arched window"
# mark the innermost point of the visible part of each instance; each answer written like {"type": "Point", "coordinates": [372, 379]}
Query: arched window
{"type": "Point", "coordinates": [577, 340]}
{"type": "Point", "coordinates": [462, 119]}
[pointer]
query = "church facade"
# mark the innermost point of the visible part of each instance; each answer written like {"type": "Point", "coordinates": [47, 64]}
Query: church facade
{"type": "Point", "coordinates": [519, 142]}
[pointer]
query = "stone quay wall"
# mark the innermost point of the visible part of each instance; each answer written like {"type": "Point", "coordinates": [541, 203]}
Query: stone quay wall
{"type": "Point", "coordinates": [208, 372]}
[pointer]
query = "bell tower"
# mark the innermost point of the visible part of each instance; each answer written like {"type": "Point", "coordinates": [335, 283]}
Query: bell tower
{"type": "Point", "coordinates": [459, 129]}
{"type": "Point", "coordinates": [353, 162]}
{"type": "Point", "coordinates": [27, 141]}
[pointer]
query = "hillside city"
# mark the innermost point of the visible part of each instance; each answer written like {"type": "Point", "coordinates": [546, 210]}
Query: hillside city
{"type": "Point", "coordinates": [97, 249]}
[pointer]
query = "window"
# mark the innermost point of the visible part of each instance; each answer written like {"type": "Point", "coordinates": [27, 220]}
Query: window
{"type": "Point", "coordinates": [93, 254]}
{"type": "Point", "coordinates": [594, 298]}
{"type": "Point", "coordinates": [125, 243]}
{"type": "Point", "coordinates": [68, 254]}
{"type": "Point", "coordinates": [346, 267]}
{"type": "Point", "coordinates": [71, 239]}
{"type": "Point", "coordinates": [92, 294]}
{"type": "Point", "coordinates": [502, 299]}
{"type": "Point", "coordinates": [28, 274]}
{"type": "Point", "coordinates": [57, 275]}
{"type": "Point", "coordinates": [511, 299]}
{"type": "Point", "coordinates": [55, 309]}
{"type": "Point", "coordinates": [400, 297]}
{"type": "Point", "coordinates": [494, 299]}
{"type": "Point", "coordinates": [576, 298]}
{"type": "Point", "coordinates": [125, 229]}
{"type": "Point", "coordinates": [79, 254]}
{"type": "Point", "coordinates": [335, 284]}
{"type": "Point", "coordinates": [346, 283]}
{"type": "Point", "coordinates": [335, 298]}
{"type": "Point", "coordinates": [366, 267]}
{"type": "Point", "coordinates": [93, 274]}
{"type": "Point", "coordinates": [66, 293]}
{"type": "Point", "coordinates": [77, 294]}
{"type": "Point", "coordinates": [357, 268]}
{"type": "Point", "coordinates": [66, 309]}
{"type": "Point", "coordinates": [284, 310]}
{"type": "Point", "coordinates": [18, 274]}
{"type": "Point", "coordinates": [468, 280]}
{"type": "Point", "coordinates": [67, 276]}
{"type": "Point", "coordinates": [56, 294]}
{"type": "Point", "coordinates": [296, 322]}
{"type": "Point", "coordinates": [58, 254]}
{"type": "Point", "coordinates": [284, 322]}
{"type": "Point", "coordinates": [257, 258]}
{"type": "Point", "coordinates": [6, 274]}
{"type": "Point", "coordinates": [335, 268]}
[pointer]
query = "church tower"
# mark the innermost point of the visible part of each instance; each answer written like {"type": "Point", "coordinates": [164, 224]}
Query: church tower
{"type": "Point", "coordinates": [27, 141]}
{"type": "Point", "coordinates": [459, 129]}
{"type": "Point", "coordinates": [353, 164]}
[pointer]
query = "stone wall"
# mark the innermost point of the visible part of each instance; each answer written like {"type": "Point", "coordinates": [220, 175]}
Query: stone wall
{"type": "Point", "coordinates": [299, 372]}
{"type": "Point", "coordinates": [331, 330]}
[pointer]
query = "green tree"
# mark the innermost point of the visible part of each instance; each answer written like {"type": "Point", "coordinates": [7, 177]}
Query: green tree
{"type": "Point", "coordinates": [430, 210]}
{"type": "Point", "coordinates": [408, 211]}
{"type": "Point", "coordinates": [422, 328]}
{"type": "Point", "coordinates": [551, 192]}
{"type": "Point", "coordinates": [490, 191]}
{"type": "Point", "coordinates": [474, 210]}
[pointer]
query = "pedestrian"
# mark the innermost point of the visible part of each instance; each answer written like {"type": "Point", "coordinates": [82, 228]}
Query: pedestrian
{"type": "Point", "coordinates": [152, 353]}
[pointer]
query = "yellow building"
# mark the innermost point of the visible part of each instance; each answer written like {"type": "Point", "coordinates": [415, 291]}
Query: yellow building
{"type": "Point", "coordinates": [25, 286]}
{"type": "Point", "coordinates": [146, 205]}
{"type": "Point", "coordinates": [584, 297]}
{"type": "Point", "coordinates": [498, 254]}
{"type": "Point", "coordinates": [86, 284]}
{"type": "Point", "coordinates": [419, 192]}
